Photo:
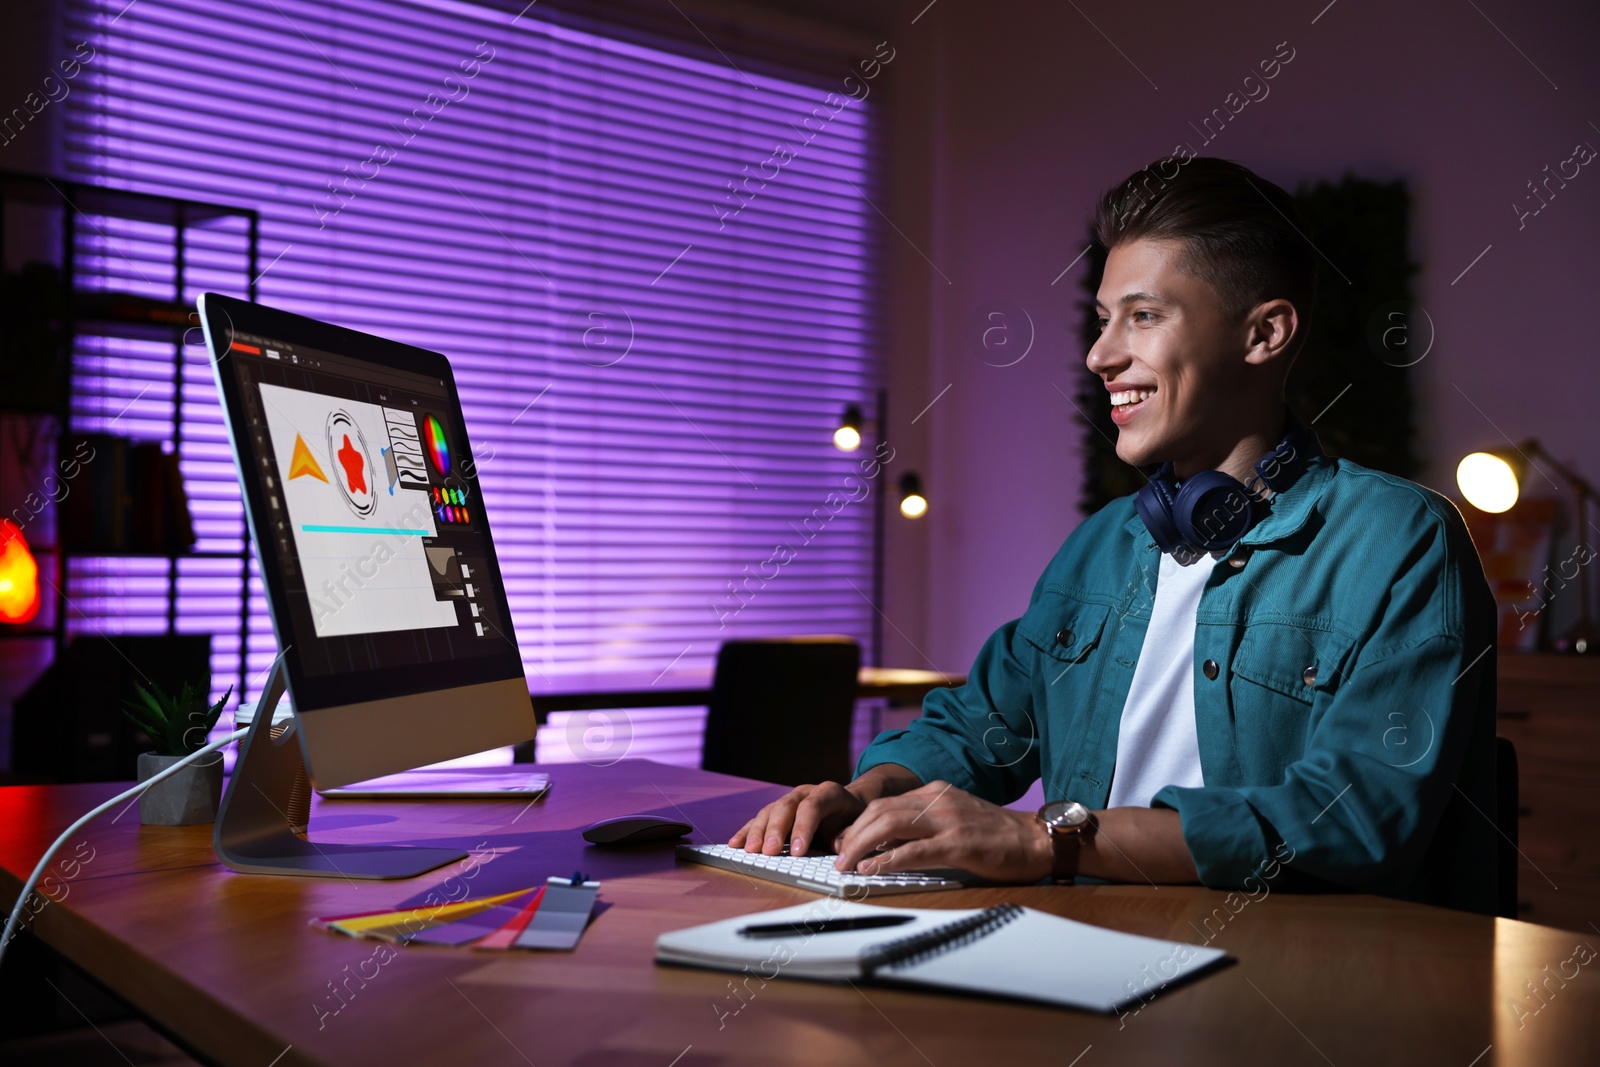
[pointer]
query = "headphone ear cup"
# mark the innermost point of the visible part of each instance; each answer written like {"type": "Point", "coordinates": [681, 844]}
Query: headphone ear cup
{"type": "Point", "coordinates": [1154, 503]}
{"type": "Point", "coordinates": [1212, 510]}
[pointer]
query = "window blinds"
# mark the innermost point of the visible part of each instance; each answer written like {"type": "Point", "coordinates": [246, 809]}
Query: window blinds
{"type": "Point", "coordinates": [655, 317]}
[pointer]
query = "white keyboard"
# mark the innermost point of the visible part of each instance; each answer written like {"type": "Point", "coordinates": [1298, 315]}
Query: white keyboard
{"type": "Point", "coordinates": [816, 873]}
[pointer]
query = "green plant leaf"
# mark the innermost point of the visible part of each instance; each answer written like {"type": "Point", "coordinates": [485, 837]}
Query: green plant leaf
{"type": "Point", "coordinates": [214, 713]}
{"type": "Point", "coordinates": [177, 724]}
{"type": "Point", "coordinates": [156, 703]}
{"type": "Point", "coordinates": [152, 731]}
{"type": "Point", "coordinates": [195, 717]}
{"type": "Point", "coordinates": [148, 714]}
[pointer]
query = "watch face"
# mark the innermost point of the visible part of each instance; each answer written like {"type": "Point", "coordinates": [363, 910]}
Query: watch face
{"type": "Point", "coordinates": [1064, 814]}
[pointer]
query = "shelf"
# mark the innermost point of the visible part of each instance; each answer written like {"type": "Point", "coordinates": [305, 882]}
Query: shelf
{"type": "Point", "coordinates": [113, 203]}
{"type": "Point", "coordinates": [133, 316]}
{"type": "Point", "coordinates": [84, 553]}
{"type": "Point", "coordinates": [130, 329]}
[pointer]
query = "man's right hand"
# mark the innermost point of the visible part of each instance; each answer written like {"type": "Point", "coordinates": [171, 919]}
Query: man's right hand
{"type": "Point", "coordinates": [811, 813]}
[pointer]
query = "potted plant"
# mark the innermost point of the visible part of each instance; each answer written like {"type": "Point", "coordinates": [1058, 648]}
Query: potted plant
{"type": "Point", "coordinates": [178, 726]}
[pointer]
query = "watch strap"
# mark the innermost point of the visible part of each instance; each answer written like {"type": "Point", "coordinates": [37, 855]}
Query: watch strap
{"type": "Point", "coordinates": [1067, 843]}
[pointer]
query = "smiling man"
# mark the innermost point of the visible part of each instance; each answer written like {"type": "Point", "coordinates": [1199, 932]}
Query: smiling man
{"type": "Point", "coordinates": [1267, 666]}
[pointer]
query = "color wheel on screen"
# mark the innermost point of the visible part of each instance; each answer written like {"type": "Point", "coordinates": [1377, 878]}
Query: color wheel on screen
{"type": "Point", "coordinates": [438, 447]}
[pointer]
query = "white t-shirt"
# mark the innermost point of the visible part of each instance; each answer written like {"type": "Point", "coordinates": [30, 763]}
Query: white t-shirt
{"type": "Point", "coordinates": [1156, 742]}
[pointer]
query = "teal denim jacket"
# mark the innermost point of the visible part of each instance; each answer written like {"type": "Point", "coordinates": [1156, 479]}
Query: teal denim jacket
{"type": "Point", "coordinates": [1344, 688]}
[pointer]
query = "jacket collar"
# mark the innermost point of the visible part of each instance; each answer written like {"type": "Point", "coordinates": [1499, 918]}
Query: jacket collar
{"type": "Point", "coordinates": [1291, 507]}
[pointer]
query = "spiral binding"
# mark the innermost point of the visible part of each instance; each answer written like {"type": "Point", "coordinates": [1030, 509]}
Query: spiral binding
{"type": "Point", "coordinates": [916, 948]}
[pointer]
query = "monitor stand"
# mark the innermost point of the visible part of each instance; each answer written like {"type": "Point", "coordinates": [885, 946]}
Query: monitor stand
{"type": "Point", "coordinates": [258, 831]}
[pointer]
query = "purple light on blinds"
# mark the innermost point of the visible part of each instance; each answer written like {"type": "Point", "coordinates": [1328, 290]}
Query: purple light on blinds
{"type": "Point", "coordinates": [651, 364]}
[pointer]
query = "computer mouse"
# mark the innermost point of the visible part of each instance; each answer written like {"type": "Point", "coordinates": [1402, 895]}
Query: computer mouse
{"type": "Point", "coordinates": [636, 830]}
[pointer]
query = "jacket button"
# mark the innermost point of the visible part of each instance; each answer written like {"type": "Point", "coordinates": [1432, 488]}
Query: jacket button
{"type": "Point", "coordinates": [1210, 668]}
{"type": "Point", "coordinates": [1238, 560]}
{"type": "Point", "coordinates": [1063, 637]}
{"type": "Point", "coordinates": [1309, 675]}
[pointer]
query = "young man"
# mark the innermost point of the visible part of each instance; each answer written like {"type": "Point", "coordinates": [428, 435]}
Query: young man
{"type": "Point", "coordinates": [1286, 678]}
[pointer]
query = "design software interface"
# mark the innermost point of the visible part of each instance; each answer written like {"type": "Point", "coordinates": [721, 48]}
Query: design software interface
{"type": "Point", "coordinates": [370, 510]}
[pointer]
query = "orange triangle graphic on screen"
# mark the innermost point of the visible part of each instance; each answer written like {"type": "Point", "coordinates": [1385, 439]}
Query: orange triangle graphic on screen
{"type": "Point", "coordinates": [303, 462]}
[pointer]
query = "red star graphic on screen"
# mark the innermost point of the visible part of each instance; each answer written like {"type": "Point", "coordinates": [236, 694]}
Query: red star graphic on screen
{"type": "Point", "coordinates": [354, 467]}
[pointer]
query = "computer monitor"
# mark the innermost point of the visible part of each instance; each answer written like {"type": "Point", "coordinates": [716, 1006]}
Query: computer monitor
{"type": "Point", "coordinates": [364, 509]}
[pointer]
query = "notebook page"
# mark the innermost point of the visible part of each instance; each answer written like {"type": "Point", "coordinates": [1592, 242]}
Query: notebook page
{"type": "Point", "coordinates": [1045, 958]}
{"type": "Point", "coordinates": [830, 955]}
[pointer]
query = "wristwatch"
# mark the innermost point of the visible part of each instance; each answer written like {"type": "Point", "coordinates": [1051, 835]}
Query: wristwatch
{"type": "Point", "coordinates": [1069, 824]}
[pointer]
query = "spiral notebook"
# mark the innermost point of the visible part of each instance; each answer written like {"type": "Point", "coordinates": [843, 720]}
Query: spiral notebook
{"type": "Point", "coordinates": [1005, 951]}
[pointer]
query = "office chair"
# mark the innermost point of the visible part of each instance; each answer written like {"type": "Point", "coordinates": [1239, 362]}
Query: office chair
{"type": "Point", "coordinates": [781, 709]}
{"type": "Point", "coordinates": [1505, 817]}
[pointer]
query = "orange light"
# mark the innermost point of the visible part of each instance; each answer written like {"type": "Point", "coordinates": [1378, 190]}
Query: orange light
{"type": "Point", "coordinates": [19, 576]}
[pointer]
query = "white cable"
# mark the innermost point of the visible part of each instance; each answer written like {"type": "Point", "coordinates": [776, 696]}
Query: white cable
{"type": "Point", "coordinates": [50, 853]}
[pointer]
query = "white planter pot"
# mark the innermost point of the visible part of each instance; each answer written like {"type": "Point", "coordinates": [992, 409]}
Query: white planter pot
{"type": "Point", "coordinates": [191, 796]}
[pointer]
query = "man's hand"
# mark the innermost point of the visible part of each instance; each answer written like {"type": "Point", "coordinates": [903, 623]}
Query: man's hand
{"type": "Point", "coordinates": [938, 825]}
{"type": "Point", "coordinates": [812, 813]}
{"type": "Point", "coordinates": [798, 817]}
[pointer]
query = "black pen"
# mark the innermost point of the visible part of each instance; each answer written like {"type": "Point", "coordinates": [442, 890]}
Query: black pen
{"type": "Point", "coordinates": [825, 926]}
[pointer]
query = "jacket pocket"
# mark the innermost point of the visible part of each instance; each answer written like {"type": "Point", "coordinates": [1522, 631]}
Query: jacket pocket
{"type": "Point", "coordinates": [1291, 660]}
{"type": "Point", "coordinates": [1063, 627]}
{"type": "Point", "coordinates": [1279, 670]}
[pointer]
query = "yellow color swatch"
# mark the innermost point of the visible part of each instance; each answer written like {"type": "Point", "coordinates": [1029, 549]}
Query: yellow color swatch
{"type": "Point", "coordinates": [383, 925]}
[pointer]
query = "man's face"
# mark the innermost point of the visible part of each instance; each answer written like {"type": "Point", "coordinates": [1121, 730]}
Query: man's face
{"type": "Point", "coordinates": [1171, 359]}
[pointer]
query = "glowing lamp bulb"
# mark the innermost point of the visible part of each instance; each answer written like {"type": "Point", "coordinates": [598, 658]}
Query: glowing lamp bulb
{"type": "Point", "coordinates": [1488, 482]}
{"type": "Point", "coordinates": [847, 438]}
{"type": "Point", "coordinates": [19, 576]}
{"type": "Point", "coordinates": [914, 505]}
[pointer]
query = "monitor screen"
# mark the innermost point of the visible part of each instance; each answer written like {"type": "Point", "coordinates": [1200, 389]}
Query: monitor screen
{"type": "Point", "coordinates": [362, 490]}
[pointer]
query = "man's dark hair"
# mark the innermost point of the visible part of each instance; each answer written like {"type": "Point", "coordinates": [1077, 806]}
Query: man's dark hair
{"type": "Point", "coordinates": [1241, 233]}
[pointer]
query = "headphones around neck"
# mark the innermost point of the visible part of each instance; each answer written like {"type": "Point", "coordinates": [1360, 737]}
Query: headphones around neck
{"type": "Point", "coordinates": [1211, 510]}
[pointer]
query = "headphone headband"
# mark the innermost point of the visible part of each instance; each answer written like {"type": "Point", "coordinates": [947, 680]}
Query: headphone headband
{"type": "Point", "coordinates": [1211, 510]}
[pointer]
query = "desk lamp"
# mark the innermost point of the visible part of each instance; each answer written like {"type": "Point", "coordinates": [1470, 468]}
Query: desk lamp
{"type": "Point", "coordinates": [1491, 481]}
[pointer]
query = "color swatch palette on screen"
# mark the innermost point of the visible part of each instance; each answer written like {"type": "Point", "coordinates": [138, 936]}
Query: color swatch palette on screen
{"type": "Point", "coordinates": [438, 447]}
{"type": "Point", "coordinates": [449, 504]}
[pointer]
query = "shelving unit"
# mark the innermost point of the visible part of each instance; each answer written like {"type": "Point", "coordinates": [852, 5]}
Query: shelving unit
{"type": "Point", "coordinates": [103, 313]}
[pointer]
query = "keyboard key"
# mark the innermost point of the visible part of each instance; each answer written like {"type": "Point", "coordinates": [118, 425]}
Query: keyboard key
{"type": "Point", "coordinates": [814, 873]}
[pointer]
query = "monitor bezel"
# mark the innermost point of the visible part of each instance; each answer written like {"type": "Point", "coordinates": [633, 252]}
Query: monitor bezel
{"type": "Point", "coordinates": [313, 695]}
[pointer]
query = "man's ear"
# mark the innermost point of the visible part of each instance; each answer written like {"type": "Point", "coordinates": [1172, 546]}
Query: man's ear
{"type": "Point", "coordinates": [1271, 327]}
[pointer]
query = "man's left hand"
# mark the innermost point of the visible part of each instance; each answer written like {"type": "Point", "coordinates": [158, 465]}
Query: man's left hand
{"type": "Point", "coordinates": [938, 825]}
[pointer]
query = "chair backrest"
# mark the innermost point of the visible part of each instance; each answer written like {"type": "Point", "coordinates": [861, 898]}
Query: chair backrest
{"type": "Point", "coordinates": [1506, 804]}
{"type": "Point", "coordinates": [781, 709]}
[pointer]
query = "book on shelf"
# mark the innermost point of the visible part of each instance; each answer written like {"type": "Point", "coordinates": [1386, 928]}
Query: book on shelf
{"type": "Point", "coordinates": [129, 499]}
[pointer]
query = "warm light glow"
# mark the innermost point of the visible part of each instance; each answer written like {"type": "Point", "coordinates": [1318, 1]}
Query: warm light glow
{"type": "Point", "coordinates": [1487, 481]}
{"type": "Point", "coordinates": [847, 438]}
{"type": "Point", "coordinates": [19, 576]}
{"type": "Point", "coordinates": [913, 506]}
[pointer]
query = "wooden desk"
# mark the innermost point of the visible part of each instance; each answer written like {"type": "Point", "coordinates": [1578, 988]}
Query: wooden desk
{"type": "Point", "coordinates": [675, 689]}
{"type": "Point", "coordinates": [228, 963]}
